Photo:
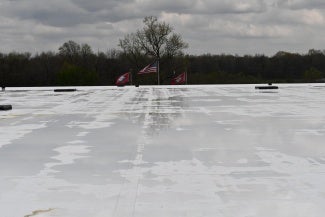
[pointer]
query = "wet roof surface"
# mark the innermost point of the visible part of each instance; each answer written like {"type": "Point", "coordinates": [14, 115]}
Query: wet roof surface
{"type": "Point", "coordinates": [163, 151]}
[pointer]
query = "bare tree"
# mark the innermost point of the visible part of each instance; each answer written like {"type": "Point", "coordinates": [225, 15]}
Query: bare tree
{"type": "Point", "coordinates": [156, 39]}
{"type": "Point", "coordinates": [70, 49]}
{"type": "Point", "coordinates": [86, 50]}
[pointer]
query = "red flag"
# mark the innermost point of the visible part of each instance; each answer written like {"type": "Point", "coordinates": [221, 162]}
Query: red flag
{"type": "Point", "coordinates": [123, 79]}
{"type": "Point", "coordinates": [180, 79]}
{"type": "Point", "coordinates": [151, 68]}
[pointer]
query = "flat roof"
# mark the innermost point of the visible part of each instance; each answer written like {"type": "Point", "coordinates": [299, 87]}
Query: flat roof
{"type": "Point", "coordinates": [163, 151]}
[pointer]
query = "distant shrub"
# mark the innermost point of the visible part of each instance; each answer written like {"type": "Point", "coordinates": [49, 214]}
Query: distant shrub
{"type": "Point", "coordinates": [312, 75]}
{"type": "Point", "coordinates": [72, 75]}
{"type": "Point", "coordinates": [222, 77]}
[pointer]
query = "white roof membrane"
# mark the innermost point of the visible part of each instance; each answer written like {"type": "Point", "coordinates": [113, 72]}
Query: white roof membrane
{"type": "Point", "coordinates": [212, 151]}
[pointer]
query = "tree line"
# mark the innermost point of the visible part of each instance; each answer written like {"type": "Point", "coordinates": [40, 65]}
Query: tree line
{"type": "Point", "coordinates": [75, 64]}
{"type": "Point", "coordinates": [81, 66]}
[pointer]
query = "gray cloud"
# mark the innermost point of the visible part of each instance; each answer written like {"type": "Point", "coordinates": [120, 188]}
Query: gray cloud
{"type": "Point", "coordinates": [206, 6]}
{"type": "Point", "coordinates": [209, 26]}
{"type": "Point", "coordinates": [58, 13]}
{"type": "Point", "coordinates": [301, 4]}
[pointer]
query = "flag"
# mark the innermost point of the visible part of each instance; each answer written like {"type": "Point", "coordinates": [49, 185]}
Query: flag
{"type": "Point", "coordinates": [180, 79]}
{"type": "Point", "coordinates": [123, 79]}
{"type": "Point", "coordinates": [151, 68]}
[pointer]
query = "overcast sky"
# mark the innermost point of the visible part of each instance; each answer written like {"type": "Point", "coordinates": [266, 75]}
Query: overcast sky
{"type": "Point", "coordinates": [209, 26]}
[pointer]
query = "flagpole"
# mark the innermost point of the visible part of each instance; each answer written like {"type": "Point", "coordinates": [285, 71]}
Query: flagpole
{"type": "Point", "coordinates": [131, 76]}
{"type": "Point", "coordinates": [158, 71]}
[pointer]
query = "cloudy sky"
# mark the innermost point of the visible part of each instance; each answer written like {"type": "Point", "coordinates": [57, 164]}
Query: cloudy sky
{"type": "Point", "coordinates": [209, 26]}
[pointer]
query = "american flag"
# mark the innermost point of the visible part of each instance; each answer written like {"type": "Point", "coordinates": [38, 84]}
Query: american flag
{"type": "Point", "coordinates": [151, 68]}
